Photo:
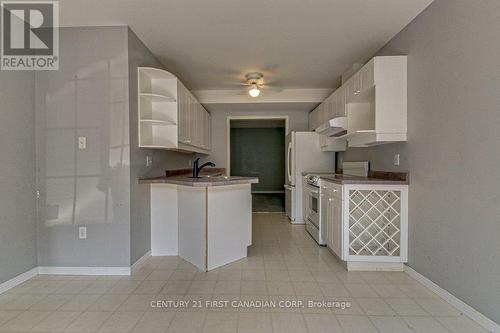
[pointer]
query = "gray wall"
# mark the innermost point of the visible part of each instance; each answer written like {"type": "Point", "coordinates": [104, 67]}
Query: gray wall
{"type": "Point", "coordinates": [297, 121]}
{"type": "Point", "coordinates": [452, 151]}
{"type": "Point", "coordinates": [87, 96]}
{"type": "Point", "coordinates": [140, 225]}
{"type": "Point", "coordinates": [17, 174]}
{"type": "Point", "coordinates": [259, 152]}
{"type": "Point", "coordinates": [94, 94]}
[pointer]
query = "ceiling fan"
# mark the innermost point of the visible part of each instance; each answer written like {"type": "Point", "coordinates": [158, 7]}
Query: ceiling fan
{"type": "Point", "coordinates": [255, 83]}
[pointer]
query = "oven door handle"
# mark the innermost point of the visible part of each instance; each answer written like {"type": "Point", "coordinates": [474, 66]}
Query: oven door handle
{"type": "Point", "coordinates": [311, 189]}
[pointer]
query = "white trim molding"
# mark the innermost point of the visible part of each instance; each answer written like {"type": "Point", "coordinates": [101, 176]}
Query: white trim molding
{"type": "Point", "coordinates": [84, 270]}
{"type": "Point", "coordinates": [365, 266]}
{"type": "Point", "coordinates": [15, 281]}
{"type": "Point", "coordinates": [55, 270]}
{"type": "Point", "coordinates": [270, 96]}
{"type": "Point", "coordinates": [140, 261]}
{"type": "Point", "coordinates": [466, 309]}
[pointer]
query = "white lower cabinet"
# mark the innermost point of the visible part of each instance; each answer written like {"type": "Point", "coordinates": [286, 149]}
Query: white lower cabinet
{"type": "Point", "coordinates": [206, 226]}
{"type": "Point", "coordinates": [325, 216]}
{"type": "Point", "coordinates": [331, 208]}
{"type": "Point", "coordinates": [335, 208]}
{"type": "Point", "coordinates": [366, 225]}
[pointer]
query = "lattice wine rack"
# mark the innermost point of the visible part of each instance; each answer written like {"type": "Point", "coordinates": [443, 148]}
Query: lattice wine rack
{"type": "Point", "coordinates": [376, 223]}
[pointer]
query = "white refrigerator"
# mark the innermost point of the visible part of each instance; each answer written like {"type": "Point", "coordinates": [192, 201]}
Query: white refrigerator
{"type": "Point", "coordinates": [303, 154]}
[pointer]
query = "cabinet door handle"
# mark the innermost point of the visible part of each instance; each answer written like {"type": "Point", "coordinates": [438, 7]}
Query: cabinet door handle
{"type": "Point", "coordinates": [330, 199]}
{"type": "Point", "coordinates": [335, 190]}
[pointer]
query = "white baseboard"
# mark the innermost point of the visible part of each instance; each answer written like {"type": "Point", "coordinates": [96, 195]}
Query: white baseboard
{"type": "Point", "coordinates": [7, 285]}
{"type": "Point", "coordinates": [84, 270]}
{"type": "Point", "coordinates": [164, 254]}
{"type": "Point", "coordinates": [364, 266]}
{"type": "Point", "coordinates": [18, 280]}
{"type": "Point", "coordinates": [141, 261]}
{"type": "Point", "coordinates": [466, 309]}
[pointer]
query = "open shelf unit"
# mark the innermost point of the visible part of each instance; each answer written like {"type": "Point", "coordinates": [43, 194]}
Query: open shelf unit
{"type": "Point", "coordinates": [170, 117]}
{"type": "Point", "coordinates": [157, 108]}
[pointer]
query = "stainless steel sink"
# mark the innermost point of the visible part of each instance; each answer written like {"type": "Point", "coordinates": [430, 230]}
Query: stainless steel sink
{"type": "Point", "coordinates": [217, 175]}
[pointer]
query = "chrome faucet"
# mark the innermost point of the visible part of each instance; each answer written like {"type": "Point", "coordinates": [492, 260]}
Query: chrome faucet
{"type": "Point", "coordinates": [196, 169]}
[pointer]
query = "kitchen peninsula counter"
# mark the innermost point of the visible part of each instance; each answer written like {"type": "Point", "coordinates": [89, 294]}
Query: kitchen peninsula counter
{"type": "Point", "coordinates": [204, 181]}
{"type": "Point", "coordinates": [207, 221]}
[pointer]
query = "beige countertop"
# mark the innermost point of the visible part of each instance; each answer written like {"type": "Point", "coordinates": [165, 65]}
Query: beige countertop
{"type": "Point", "coordinates": [343, 179]}
{"type": "Point", "coordinates": [204, 181]}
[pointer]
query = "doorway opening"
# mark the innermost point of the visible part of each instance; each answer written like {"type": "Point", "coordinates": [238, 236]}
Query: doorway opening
{"type": "Point", "coordinates": [256, 148]}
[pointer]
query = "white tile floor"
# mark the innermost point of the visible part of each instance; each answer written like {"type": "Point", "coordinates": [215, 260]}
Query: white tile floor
{"type": "Point", "coordinates": [284, 264]}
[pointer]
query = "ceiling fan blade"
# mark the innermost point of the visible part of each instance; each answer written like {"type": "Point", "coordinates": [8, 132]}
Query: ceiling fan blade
{"type": "Point", "coordinates": [239, 84]}
{"type": "Point", "coordinates": [273, 83]}
{"type": "Point", "coordinates": [273, 88]}
{"type": "Point", "coordinates": [242, 93]}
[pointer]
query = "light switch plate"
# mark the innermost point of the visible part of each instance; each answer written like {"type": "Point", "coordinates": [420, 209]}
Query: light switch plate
{"type": "Point", "coordinates": [82, 142]}
{"type": "Point", "coordinates": [396, 159]}
{"type": "Point", "coordinates": [149, 160]}
{"type": "Point", "coordinates": [82, 232]}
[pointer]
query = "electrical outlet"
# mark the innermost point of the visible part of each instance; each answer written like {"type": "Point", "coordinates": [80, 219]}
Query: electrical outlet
{"type": "Point", "coordinates": [82, 142]}
{"type": "Point", "coordinates": [396, 159]}
{"type": "Point", "coordinates": [82, 232]}
{"type": "Point", "coordinates": [190, 163]}
{"type": "Point", "coordinates": [149, 160]}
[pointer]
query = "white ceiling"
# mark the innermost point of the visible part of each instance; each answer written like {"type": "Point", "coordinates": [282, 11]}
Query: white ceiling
{"type": "Point", "coordinates": [211, 44]}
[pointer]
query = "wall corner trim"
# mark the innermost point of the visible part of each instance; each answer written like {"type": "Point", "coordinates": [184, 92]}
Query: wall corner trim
{"type": "Point", "coordinates": [84, 270]}
{"type": "Point", "coordinates": [18, 280]}
{"type": "Point", "coordinates": [141, 261]}
{"type": "Point", "coordinates": [466, 309]}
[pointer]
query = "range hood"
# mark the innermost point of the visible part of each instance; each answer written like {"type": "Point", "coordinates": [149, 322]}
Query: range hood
{"type": "Point", "coordinates": [333, 127]}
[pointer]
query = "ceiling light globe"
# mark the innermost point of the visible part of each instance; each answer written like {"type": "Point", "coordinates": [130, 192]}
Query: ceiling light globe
{"type": "Point", "coordinates": [254, 92]}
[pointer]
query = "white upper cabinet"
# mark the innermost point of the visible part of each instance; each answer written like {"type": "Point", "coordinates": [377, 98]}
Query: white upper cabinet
{"type": "Point", "coordinates": [377, 107]}
{"type": "Point", "coordinates": [170, 117]}
{"type": "Point", "coordinates": [331, 143]}
{"type": "Point", "coordinates": [194, 124]}
{"type": "Point", "coordinates": [374, 100]}
{"type": "Point", "coordinates": [314, 118]}
{"type": "Point", "coordinates": [366, 80]}
{"type": "Point", "coordinates": [339, 103]}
